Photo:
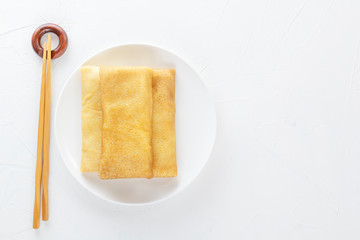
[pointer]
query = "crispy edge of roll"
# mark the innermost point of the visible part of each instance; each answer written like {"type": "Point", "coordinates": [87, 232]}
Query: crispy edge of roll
{"type": "Point", "coordinates": [91, 118]}
{"type": "Point", "coordinates": [164, 138]}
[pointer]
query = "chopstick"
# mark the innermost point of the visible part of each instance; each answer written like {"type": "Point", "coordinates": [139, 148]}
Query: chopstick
{"type": "Point", "coordinates": [45, 175]}
{"type": "Point", "coordinates": [42, 160]}
{"type": "Point", "coordinates": [36, 218]}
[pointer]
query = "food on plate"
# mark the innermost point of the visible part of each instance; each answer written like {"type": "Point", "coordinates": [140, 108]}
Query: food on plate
{"type": "Point", "coordinates": [128, 122]}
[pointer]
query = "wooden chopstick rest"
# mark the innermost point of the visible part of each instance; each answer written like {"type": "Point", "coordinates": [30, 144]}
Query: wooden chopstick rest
{"type": "Point", "coordinates": [47, 28]}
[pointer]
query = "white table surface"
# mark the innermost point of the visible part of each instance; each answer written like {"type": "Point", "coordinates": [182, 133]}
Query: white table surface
{"type": "Point", "coordinates": [285, 78]}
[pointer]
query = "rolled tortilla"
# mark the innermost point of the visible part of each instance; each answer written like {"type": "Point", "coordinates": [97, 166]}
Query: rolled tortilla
{"type": "Point", "coordinates": [163, 138]}
{"type": "Point", "coordinates": [91, 118]}
{"type": "Point", "coordinates": [126, 99]}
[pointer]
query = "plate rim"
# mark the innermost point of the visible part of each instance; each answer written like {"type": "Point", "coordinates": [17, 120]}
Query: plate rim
{"type": "Point", "coordinates": [67, 164]}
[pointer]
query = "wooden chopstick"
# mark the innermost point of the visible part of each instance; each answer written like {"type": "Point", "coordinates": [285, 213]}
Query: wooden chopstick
{"type": "Point", "coordinates": [36, 219]}
{"type": "Point", "coordinates": [42, 160]}
{"type": "Point", "coordinates": [45, 170]}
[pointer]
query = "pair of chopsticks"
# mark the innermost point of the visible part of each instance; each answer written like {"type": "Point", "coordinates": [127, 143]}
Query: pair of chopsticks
{"type": "Point", "coordinates": [42, 161]}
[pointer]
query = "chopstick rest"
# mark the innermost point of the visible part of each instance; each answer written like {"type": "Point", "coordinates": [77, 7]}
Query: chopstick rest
{"type": "Point", "coordinates": [47, 28]}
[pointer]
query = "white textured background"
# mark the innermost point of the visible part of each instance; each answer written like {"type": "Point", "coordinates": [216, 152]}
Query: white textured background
{"type": "Point", "coordinates": [285, 77]}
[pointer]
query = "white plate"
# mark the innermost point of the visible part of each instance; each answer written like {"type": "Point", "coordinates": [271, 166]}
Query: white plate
{"type": "Point", "coordinates": [195, 126]}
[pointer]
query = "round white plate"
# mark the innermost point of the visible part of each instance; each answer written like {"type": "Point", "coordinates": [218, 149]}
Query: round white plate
{"type": "Point", "coordinates": [195, 126]}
